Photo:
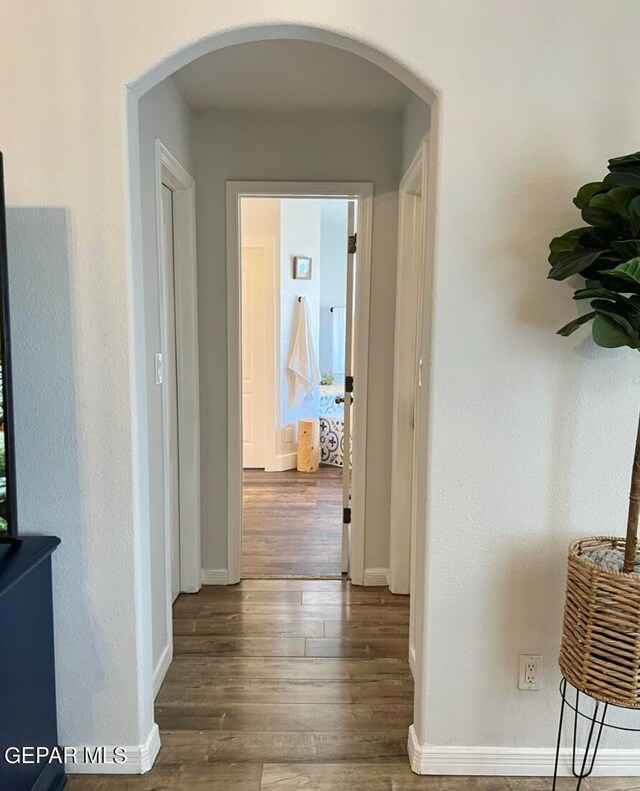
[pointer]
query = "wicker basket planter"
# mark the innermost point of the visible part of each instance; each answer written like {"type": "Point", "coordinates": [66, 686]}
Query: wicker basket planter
{"type": "Point", "coordinates": [600, 652]}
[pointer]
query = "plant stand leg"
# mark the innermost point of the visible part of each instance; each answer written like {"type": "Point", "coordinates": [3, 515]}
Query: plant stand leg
{"type": "Point", "coordinates": [596, 723]}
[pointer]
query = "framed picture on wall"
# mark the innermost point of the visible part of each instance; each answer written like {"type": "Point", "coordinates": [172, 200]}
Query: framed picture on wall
{"type": "Point", "coordinates": [301, 267]}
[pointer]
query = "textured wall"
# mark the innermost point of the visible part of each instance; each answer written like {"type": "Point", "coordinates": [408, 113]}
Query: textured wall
{"type": "Point", "coordinates": [530, 435]}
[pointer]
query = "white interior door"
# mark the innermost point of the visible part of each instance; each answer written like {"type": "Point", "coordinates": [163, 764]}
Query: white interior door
{"type": "Point", "coordinates": [349, 395]}
{"type": "Point", "coordinates": [255, 295]}
{"type": "Point", "coordinates": [170, 392]}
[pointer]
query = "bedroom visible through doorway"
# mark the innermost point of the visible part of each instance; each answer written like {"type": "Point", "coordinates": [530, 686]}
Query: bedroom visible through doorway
{"type": "Point", "coordinates": [297, 305]}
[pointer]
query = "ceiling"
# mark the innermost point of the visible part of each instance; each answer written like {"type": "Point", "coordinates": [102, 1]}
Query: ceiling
{"type": "Point", "coordinates": [289, 76]}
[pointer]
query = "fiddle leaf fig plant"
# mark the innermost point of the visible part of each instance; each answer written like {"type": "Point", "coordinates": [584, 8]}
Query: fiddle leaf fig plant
{"type": "Point", "coordinates": [606, 253]}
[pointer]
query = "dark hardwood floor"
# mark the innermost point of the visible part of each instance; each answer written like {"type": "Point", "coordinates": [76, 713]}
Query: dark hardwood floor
{"type": "Point", "coordinates": [291, 685]}
{"type": "Point", "coordinates": [292, 523]}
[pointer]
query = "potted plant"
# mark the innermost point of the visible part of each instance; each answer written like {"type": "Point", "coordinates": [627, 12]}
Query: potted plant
{"type": "Point", "coordinates": [600, 651]}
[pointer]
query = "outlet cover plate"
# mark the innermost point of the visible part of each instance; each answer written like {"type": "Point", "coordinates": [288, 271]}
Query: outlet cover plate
{"type": "Point", "coordinates": [529, 676]}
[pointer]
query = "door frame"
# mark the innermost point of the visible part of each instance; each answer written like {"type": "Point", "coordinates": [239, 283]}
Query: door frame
{"type": "Point", "coordinates": [170, 171]}
{"type": "Point", "coordinates": [409, 302]}
{"type": "Point", "coordinates": [272, 382]}
{"type": "Point", "coordinates": [363, 193]}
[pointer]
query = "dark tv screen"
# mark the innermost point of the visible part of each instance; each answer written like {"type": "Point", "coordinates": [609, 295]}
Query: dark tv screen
{"type": "Point", "coordinates": [8, 508]}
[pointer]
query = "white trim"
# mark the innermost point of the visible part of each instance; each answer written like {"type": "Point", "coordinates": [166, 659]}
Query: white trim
{"type": "Point", "coordinates": [139, 758]}
{"type": "Point", "coordinates": [214, 577]}
{"type": "Point", "coordinates": [513, 761]}
{"type": "Point", "coordinates": [409, 281]}
{"type": "Point", "coordinates": [161, 668]}
{"type": "Point", "coordinates": [285, 461]}
{"type": "Point", "coordinates": [174, 175]}
{"type": "Point", "coordinates": [363, 193]}
{"type": "Point", "coordinates": [376, 577]}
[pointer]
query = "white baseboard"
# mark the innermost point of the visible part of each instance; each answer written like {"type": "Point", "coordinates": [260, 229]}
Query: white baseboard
{"type": "Point", "coordinates": [513, 761]}
{"type": "Point", "coordinates": [377, 577]}
{"type": "Point", "coordinates": [139, 758]}
{"type": "Point", "coordinates": [214, 577]}
{"type": "Point", "coordinates": [160, 670]}
{"type": "Point", "coordinates": [287, 461]}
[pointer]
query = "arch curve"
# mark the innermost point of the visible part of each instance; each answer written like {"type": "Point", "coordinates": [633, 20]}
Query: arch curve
{"type": "Point", "coordinates": [296, 32]}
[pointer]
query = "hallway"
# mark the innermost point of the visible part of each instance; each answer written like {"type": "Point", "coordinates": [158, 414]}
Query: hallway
{"type": "Point", "coordinates": [291, 685]}
{"type": "Point", "coordinates": [292, 523]}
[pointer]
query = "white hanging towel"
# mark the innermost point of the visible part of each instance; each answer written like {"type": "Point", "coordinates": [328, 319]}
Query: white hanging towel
{"type": "Point", "coordinates": [303, 362]}
{"type": "Point", "coordinates": [339, 339]}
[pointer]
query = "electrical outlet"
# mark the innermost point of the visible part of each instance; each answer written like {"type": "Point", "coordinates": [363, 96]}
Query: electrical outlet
{"type": "Point", "coordinates": [530, 673]}
{"type": "Point", "coordinates": [288, 434]}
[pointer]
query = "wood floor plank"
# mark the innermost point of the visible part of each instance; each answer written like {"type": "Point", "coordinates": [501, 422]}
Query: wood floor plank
{"type": "Point", "coordinates": [282, 717]}
{"type": "Point", "coordinates": [295, 584]}
{"type": "Point", "coordinates": [309, 612]}
{"type": "Point", "coordinates": [233, 593]}
{"type": "Point", "coordinates": [190, 669]}
{"type": "Point", "coordinates": [372, 776]}
{"type": "Point", "coordinates": [356, 648]}
{"type": "Point", "coordinates": [363, 631]}
{"type": "Point", "coordinates": [362, 596]}
{"type": "Point", "coordinates": [264, 746]}
{"type": "Point", "coordinates": [390, 689]}
{"type": "Point", "coordinates": [249, 626]}
{"type": "Point", "coordinates": [204, 777]}
{"type": "Point", "coordinates": [214, 645]}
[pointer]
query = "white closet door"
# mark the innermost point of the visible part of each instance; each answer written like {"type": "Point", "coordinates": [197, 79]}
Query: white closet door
{"type": "Point", "coordinates": [254, 307]}
{"type": "Point", "coordinates": [170, 393]}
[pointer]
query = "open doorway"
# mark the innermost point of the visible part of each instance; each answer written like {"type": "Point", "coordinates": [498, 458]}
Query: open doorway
{"type": "Point", "coordinates": [306, 138]}
{"type": "Point", "coordinates": [297, 303]}
{"type": "Point", "coordinates": [302, 285]}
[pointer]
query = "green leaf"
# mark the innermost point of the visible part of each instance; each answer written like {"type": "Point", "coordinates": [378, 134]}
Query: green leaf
{"type": "Point", "coordinates": [574, 263]}
{"type": "Point", "coordinates": [564, 244]}
{"type": "Point", "coordinates": [629, 248]}
{"type": "Point", "coordinates": [629, 271]}
{"type": "Point", "coordinates": [634, 214]}
{"type": "Point", "coordinates": [586, 192]}
{"type": "Point", "coordinates": [598, 217]}
{"type": "Point", "coordinates": [609, 334]}
{"type": "Point", "coordinates": [626, 177]}
{"type": "Point", "coordinates": [615, 201]}
{"type": "Point", "coordinates": [594, 293]}
{"type": "Point", "coordinates": [572, 326]}
{"type": "Point", "coordinates": [609, 309]}
{"type": "Point", "coordinates": [628, 159]}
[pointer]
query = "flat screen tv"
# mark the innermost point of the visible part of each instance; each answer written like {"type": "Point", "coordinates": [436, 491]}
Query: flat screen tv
{"type": "Point", "coordinates": [8, 506]}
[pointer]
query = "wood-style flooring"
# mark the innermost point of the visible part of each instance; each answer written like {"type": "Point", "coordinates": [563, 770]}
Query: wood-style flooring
{"type": "Point", "coordinates": [293, 685]}
{"type": "Point", "coordinates": [292, 523]}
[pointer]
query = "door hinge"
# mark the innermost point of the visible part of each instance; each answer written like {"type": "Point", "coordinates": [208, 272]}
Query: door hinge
{"type": "Point", "coordinates": [348, 384]}
{"type": "Point", "coordinates": [346, 516]}
{"type": "Point", "coordinates": [353, 244]}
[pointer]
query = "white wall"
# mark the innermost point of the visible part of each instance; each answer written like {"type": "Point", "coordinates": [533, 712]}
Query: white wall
{"type": "Point", "coordinates": [531, 434]}
{"type": "Point", "coordinates": [272, 147]}
{"type": "Point", "coordinates": [333, 275]}
{"type": "Point", "coordinates": [300, 235]}
{"type": "Point", "coordinates": [165, 116]}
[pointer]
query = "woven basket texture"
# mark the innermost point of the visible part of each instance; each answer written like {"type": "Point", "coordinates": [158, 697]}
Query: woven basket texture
{"type": "Point", "coordinates": [600, 652]}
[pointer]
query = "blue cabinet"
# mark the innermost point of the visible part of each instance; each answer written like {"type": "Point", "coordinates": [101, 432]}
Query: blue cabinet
{"type": "Point", "coordinates": [27, 666]}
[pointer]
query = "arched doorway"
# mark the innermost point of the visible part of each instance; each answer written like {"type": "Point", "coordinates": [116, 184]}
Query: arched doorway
{"type": "Point", "coordinates": [136, 93]}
